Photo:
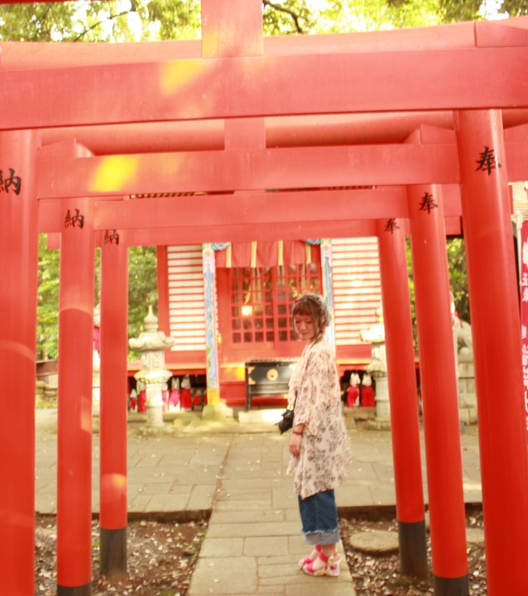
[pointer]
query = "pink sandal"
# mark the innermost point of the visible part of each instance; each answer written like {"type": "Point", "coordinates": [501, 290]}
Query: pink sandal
{"type": "Point", "coordinates": [330, 569]}
{"type": "Point", "coordinates": [310, 558]}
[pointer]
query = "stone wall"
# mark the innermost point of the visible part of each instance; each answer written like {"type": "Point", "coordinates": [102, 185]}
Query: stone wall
{"type": "Point", "coordinates": [467, 396]}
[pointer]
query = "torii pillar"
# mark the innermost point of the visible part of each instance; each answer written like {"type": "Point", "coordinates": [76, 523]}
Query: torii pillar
{"type": "Point", "coordinates": [113, 517]}
{"type": "Point", "coordinates": [74, 440]}
{"type": "Point", "coordinates": [401, 376]}
{"type": "Point", "coordinates": [496, 328]}
{"type": "Point", "coordinates": [439, 391]}
{"type": "Point", "coordinates": [18, 316]}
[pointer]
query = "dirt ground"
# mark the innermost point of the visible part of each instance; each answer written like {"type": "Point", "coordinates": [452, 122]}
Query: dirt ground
{"type": "Point", "coordinates": [375, 576]}
{"type": "Point", "coordinates": [162, 557]}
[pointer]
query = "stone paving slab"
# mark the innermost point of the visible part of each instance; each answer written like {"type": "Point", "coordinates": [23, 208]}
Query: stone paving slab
{"type": "Point", "coordinates": [245, 517]}
{"type": "Point", "coordinates": [266, 546]}
{"type": "Point", "coordinates": [225, 575]}
{"type": "Point", "coordinates": [222, 547]}
{"type": "Point", "coordinates": [271, 528]}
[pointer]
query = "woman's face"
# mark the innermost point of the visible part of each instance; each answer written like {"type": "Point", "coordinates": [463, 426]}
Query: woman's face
{"type": "Point", "coordinates": [305, 327]}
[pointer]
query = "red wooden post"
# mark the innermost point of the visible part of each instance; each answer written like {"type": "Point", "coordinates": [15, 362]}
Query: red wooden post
{"type": "Point", "coordinates": [74, 494]}
{"type": "Point", "coordinates": [496, 329]}
{"type": "Point", "coordinates": [18, 306]}
{"type": "Point", "coordinates": [439, 391]}
{"type": "Point", "coordinates": [401, 377]}
{"type": "Point", "coordinates": [113, 517]}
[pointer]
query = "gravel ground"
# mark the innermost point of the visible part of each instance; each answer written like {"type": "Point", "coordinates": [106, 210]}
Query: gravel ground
{"type": "Point", "coordinates": [162, 557]}
{"type": "Point", "coordinates": [381, 575]}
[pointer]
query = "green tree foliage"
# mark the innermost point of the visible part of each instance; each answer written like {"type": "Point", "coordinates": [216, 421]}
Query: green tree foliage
{"type": "Point", "coordinates": [171, 20]}
{"type": "Point", "coordinates": [142, 293]}
{"type": "Point", "coordinates": [142, 289]}
{"type": "Point", "coordinates": [456, 254]}
{"type": "Point", "coordinates": [515, 8]}
{"type": "Point", "coordinates": [456, 257]}
{"type": "Point", "coordinates": [375, 15]}
{"type": "Point", "coordinates": [65, 21]}
{"type": "Point", "coordinates": [47, 301]}
{"type": "Point", "coordinates": [135, 20]}
{"type": "Point", "coordinates": [288, 18]}
{"type": "Point", "coordinates": [149, 20]}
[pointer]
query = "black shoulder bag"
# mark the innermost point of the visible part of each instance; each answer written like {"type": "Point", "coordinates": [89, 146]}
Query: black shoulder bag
{"type": "Point", "coordinates": [287, 418]}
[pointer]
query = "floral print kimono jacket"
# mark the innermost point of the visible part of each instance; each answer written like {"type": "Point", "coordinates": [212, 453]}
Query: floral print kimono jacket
{"type": "Point", "coordinates": [325, 451]}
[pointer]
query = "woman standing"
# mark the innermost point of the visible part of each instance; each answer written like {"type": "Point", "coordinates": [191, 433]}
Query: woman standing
{"type": "Point", "coordinates": [319, 446]}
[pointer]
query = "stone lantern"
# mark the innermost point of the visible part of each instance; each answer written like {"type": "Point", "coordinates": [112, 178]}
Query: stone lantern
{"type": "Point", "coordinates": [378, 368]}
{"type": "Point", "coordinates": [153, 373]}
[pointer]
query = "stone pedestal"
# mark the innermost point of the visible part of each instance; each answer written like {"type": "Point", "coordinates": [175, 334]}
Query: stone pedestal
{"type": "Point", "coordinates": [382, 420]}
{"type": "Point", "coordinates": [378, 370]}
{"type": "Point", "coordinates": [467, 396]}
{"type": "Point", "coordinates": [96, 384]}
{"type": "Point", "coordinates": [382, 398]}
{"type": "Point", "coordinates": [155, 402]}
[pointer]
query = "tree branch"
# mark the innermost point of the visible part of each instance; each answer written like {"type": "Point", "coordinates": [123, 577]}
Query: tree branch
{"type": "Point", "coordinates": [112, 16]}
{"type": "Point", "coordinates": [42, 18]}
{"type": "Point", "coordinates": [293, 14]}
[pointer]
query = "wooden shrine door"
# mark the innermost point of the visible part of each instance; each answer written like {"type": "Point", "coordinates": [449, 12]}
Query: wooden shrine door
{"type": "Point", "coordinates": [254, 307]}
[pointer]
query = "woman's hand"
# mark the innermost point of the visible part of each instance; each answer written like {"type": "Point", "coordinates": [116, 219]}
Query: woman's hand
{"type": "Point", "coordinates": [295, 444]}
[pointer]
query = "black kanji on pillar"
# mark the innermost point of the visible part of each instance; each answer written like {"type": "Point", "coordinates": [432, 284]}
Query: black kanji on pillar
{"type": "Point", "coordinates": [427, 203]}
{"type": "Point", "coordinates": [487, 161]}
{"type": "Point", "coordinates": [111, 238]}
{"type": "Point", "coordinates": [74, 220]}
{"type": "Point", "coordinates": [391, 225]}
{"type": "Point", "coordinates": [14, 182]}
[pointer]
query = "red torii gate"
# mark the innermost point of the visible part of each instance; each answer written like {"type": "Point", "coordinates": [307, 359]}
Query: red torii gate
{"type": "Point", "coordinates": [70, 96]}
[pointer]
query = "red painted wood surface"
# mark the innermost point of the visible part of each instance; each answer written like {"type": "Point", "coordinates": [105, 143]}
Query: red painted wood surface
{"type": "Point", "coordinates": [166, 236]}
{"type": "Point", "coordinates": [162, 278]}
{"type": "Point", "coordinates": [32, 55]}
{"type": "Point", "coordinates": [222, 213]}
{"type": "Point", "coordinates": [261, 86]}
{"type": "Point", "coordinates": [18, 305]}
{"type": "Point", "coordinates": [495, 320]}
{"type": "Point", "coordinates": [74, 435]}
{"type": "Point", "coordinates": [261, 208]}
{"type": "Point", "coordinates": [45, 55]}
{"type": "Point", "coordinates": [114, 383]}
{"type": "Point", "coordinates": [439, 384]}
{"type": "Point", "coordinates": [299, 131]}
{"type": "Point", "coordinates": [401, 372]}
{"type": "Point", "coordinates": [214, 171]}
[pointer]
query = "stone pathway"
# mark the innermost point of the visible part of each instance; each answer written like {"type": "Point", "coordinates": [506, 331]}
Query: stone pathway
{"type": "Point", "coordinates": [254, 540]}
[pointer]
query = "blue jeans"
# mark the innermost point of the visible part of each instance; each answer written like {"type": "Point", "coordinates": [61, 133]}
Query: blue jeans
{"type": "Point", "coordinates": [319, 518]}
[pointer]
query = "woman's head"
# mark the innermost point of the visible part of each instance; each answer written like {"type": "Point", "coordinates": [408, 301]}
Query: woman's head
{"type": "Point", "coordinates": [310, 310]}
